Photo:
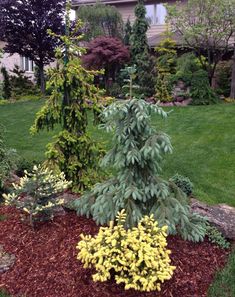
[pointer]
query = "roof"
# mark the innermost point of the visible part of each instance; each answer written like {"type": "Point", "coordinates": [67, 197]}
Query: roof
{"type": "Point", "coordinates": [82, 2]}
{"type": "Point", "coordinates": [156, 39]}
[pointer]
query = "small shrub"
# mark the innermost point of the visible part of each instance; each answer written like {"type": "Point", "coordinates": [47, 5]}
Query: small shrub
{"type": "Point", "coordinates": [6, 87]}
{"type": "Point", "coordinates": [201, 92]}
{"type": "Point", "coordinates": [21, 85]}
{"type": "Point", "coordinates": [215, 236]}
{"type": "Point", "coordinates": [37, 193]}
{"type": "Point", "coordinates": [25, 165]}
{"type": "Point", "coordinates": [223, 76]}
{"type": "Point", "coordinates": [183, 183]}
{"type": "Point", "coordinates": [138, 256]}
{"type": "Point", "coordinates": [229, 100]}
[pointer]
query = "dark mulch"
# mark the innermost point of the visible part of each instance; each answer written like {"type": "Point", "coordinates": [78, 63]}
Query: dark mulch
{"type": "Point", "coordinates": [46, 264]}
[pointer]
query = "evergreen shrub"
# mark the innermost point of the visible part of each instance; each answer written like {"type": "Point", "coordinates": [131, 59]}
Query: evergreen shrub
{"type": "Point", "coordinates": [37, 193]}
{"type": "Point", "coordinates": [137, 257]}
{"type": "Point", "coordinates": [137, 186]}
{"type": "Point", "coordinates": [183, 183]}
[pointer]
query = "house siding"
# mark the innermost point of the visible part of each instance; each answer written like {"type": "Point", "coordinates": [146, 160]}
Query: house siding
{"type": "Point", "coordinates": [9, 61]}
{"type": "Point", "coordinates": [127, 10]}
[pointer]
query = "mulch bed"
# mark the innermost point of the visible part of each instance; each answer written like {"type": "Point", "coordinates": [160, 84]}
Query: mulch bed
{"type": "Point", "coordinates": [46, 264]}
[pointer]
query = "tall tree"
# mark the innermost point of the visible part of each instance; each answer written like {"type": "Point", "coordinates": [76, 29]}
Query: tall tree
{"type": "Point", "coordinates": [101, 20]}
{"type": "Point", "coordinates": [24, 25]}
{"type": "Point", "coordinates": [73, 94]}
{"type": "Point", "coordinates": [127, 32]}
{"type": "Point", "coordinates": [140, 51]}
{"type": "Point", "coordinates": [206, 27]}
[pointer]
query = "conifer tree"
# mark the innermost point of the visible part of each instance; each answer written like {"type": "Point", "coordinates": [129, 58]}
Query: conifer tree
{"type": "Point", "coordinates": [140, 51]}
{"type": "Point", "coordinates": [128, 32]}
{"type": "Point", "coordinates": [166, 66]}
{"type": "Point", "coordinates": [137, 187]}
{"type": "Point", "coordinates": [73, 94]}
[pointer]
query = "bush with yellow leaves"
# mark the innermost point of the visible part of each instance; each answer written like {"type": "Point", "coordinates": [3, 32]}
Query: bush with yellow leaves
{"type": "Point", "coordinates": [37, 193]}
{"type": "Point", "coordinates": [138, 257]}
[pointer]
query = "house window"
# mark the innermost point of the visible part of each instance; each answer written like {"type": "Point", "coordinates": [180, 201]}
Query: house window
{"type": "Point", "coordinates": [27, 64]}
{"type": "Point", "coordinates": [156, 14]}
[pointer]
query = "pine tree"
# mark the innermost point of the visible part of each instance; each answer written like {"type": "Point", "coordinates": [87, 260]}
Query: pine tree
{"type": "Point", "coordinates": [73, 94]}
{"type": "Point", "coordinates": [140, 51]}
{"type": "Point", "coordinates": [137, 187]}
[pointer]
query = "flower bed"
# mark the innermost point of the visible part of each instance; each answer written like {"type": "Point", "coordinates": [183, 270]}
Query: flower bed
{"type": "Point", "coordinates": [46, 263]}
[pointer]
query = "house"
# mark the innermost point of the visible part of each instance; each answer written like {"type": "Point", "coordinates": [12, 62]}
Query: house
{"type": "Point", "coordinates": [156, 13]}
{"type": "Point", "coordinates": [9, 61]}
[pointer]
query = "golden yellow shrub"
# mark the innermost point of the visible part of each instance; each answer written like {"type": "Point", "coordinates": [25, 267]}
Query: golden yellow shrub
{"type": "Point", "coordinates": [138, 256]}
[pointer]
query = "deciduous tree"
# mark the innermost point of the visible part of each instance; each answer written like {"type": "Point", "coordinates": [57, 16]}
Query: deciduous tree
{"type": "Point", "coordinates": [106, 53]}
{"type": "Point", "coordinates": [24, 25]}
{"type": "Point", "coordinates": [206, 27]}
{"type": "Point", "coordinates": [101, 20]}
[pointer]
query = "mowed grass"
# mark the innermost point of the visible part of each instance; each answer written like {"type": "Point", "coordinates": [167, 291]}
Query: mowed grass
{"type": "Point", "coordinates": [203, 139]}
{"type": "Point", "coordinates": [224, 284]}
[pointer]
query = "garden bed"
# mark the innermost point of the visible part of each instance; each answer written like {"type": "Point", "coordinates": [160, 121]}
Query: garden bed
{"type": "Point", "coordinates": [46, 264]}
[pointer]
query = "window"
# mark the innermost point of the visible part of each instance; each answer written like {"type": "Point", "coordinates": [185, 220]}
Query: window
{"type": "Point", "coordinates": [156, 14]}
{"type": "Point", "coordinates": [27, 64]}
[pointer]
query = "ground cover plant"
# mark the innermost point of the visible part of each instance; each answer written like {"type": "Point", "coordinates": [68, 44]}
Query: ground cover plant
{"type": "Point", "coordinates": [198, 128]}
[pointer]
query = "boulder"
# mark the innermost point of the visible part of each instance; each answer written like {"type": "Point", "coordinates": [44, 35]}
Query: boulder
{"type": "Point", "coordinates": [221, 216]}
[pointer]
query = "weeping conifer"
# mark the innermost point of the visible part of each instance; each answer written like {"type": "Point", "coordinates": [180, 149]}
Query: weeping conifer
{"type": "Point", "coordinates": [137, 187]}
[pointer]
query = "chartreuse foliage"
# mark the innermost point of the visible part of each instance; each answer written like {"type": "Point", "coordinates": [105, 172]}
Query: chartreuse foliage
{"type": "Point", "coordinates": [138, 256]}
{"type": "Point", "coordinates": [137, 187]}
{"type": "Point", "coordinates": [166, 66]}
{"type": "Point", "coordinates": [37, 193]}
{"type": "Point", "coordinates": [73, 94]}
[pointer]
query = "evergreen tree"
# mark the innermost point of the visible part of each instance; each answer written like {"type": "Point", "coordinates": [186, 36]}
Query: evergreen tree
{"type": "Point", "coordinates": [128, 32]}
{"type": "Point", "coordinates": [73, 94]}
{"type": "Point", "coordinates": [137, 187]}
{"type": "Point", "coordinates": [6, 88]}
{"type": "Point", "coordinates": [140, 51]}
{"type": "Point", "coordinates": [166, 66]}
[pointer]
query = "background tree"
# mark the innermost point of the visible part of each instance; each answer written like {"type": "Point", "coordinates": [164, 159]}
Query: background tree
{"type": "Point", "coordinates": [206, 27]}
{"type": "Point", "coordinates": [232, 91]}
{"type": "Point", "coordinates": [106, 53]}
{"type": "Point", "coordinates": [127, 32]}
{"type": "Point", "coordinates": [137, 186]}
{"type": "Point", "coordinates": [140, 55]}
{"type": "Point", "coordinates": [73, 94]}
{"type": "Point", "coordinates": [24, 25]}
{"type": "Point", "coordinates": [166, 66]}
{"type": "Point", "coordinates": [101, 20]}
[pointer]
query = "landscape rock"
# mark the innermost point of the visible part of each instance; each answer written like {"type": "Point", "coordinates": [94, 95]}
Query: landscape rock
{"type": "Point", "coordinates": [6, 260]}
{"type": "Point", "coordinates": [221, 216]}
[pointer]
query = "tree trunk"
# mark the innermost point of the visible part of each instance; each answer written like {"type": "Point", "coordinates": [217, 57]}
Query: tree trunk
{"type": "Point", "coordinates": [232, 92]}
{"type": "Point", "coordinates": [42, 79]}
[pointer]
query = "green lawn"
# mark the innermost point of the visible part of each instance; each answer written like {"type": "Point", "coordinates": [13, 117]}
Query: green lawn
{"type": "Point", "coordinates": [203, 139]}
{"type": "Point", "coordinates": [224, 282]}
